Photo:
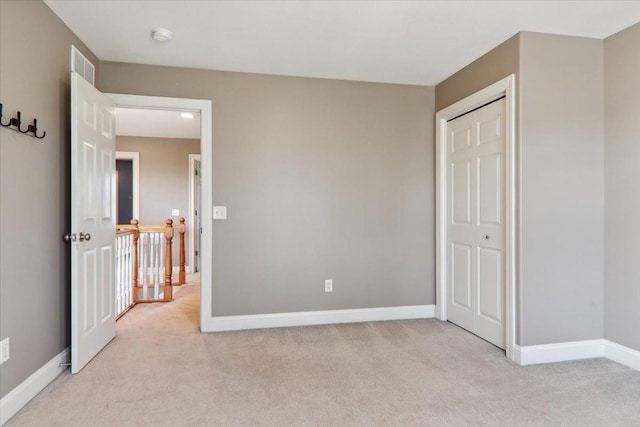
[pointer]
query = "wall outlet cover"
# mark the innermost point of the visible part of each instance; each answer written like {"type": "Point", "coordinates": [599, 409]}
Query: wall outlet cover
{"type": "Point", "coordinates": [328, 285]}
{"type": "Point", "coordinates": [219, 212]}
{"type": "Point", "coordinates": [175, 212]}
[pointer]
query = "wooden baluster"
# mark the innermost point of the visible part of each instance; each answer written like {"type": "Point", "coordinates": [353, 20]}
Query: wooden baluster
{"type": "Point", "coordinates": [182, 275]}
{"type": "Point", "coordinates": [168, 264]}
{"type": "Point", "coordinates": [134, 262]}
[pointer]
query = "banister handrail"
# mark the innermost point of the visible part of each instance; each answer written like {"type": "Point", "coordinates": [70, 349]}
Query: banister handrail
{"type": "Point", "coordinates": [142, 237]}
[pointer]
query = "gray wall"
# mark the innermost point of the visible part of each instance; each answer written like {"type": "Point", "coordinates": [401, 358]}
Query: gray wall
{"type": "Point", "coordinates": [164, 179]}
{"type": "Point", "coordinates": [562, 161]}
{"type": "Point", "coordinates": [323, 179]}
{"type": "Point", "coordinates": [622, 184]}
{"type": "Point", "coordinates": [496, 64]}
{"type": "Point", "coordinates": [35, 49]}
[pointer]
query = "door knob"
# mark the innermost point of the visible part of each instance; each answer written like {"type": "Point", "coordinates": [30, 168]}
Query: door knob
{"type": "Point", "coordinates": [82, 237]}
{"type": "Point", "coordinates": [487, 237]}
{"type": "Point", "coordinates": [70, 237]}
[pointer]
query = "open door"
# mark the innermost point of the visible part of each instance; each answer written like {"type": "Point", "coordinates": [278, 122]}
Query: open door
{"type": "Point", "coordinates": [92, 236]}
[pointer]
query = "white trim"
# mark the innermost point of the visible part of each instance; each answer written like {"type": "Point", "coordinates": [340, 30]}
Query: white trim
{"type": "Point", "coordinates": [192, 209]}
{"type": "Point", "coordinates": [504, 87]}
{"type": "Point", "coordinates": [134, 156]}
{"type": "Point", "coordinates": [17, 398]}
{"type": "Point", "coordinates": [303, 318]}
{"type": "Point", "coordinates": [203, 106]}
{"type": "Point", "coordinates": [560, 352]}
{"type": "Point", "coordinates": [623, 355]}
{"type": "Point", "coordinates": [576, 350]}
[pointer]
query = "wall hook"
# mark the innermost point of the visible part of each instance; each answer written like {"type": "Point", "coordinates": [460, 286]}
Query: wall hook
{"type": "Point", "coordinates": [16, 122]}
{"type": "Point", "coordinates": [34, 129]}
{"type": "Point", "coordinates": [2, 124]}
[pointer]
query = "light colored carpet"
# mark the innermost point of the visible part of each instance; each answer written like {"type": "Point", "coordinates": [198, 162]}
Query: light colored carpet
{"type": "Point", "coordinates": [160, 371]}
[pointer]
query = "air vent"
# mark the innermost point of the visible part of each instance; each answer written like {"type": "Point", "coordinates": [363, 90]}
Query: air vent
{"type": "Point", "coordinates": [81, 65]}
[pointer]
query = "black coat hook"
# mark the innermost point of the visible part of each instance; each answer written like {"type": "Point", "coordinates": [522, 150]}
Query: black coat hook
{"type": "Point", "coordinates": [16, 122]}
{"type": "Point", "coordinates": [2, 124]}
{"type": "Point", "coordinates": [34, 129]}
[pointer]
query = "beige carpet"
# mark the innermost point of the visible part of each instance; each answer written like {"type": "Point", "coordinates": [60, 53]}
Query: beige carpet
{"type": "Point", "coordinates": [160, 371]}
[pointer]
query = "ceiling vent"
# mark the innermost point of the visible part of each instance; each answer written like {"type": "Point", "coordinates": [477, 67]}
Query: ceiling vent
{"type": "Point", "coordinates": [81, 65]}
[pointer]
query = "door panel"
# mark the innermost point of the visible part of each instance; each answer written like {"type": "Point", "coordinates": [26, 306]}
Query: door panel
{"type": "Point", "coordinates": [460, 139]}
{"type": "Point", "coordinates": [489, 189]}
{"type": "Point", "coordinates": [461, 271]}
{"type": "Point", "coordinates": [475, 232]}
{"type": "Point", "coordinates": [489, 283]}
{"type": "Point", "coordinates": [92, 214]}
{"type": "Point", "coordinates": [461, 183]}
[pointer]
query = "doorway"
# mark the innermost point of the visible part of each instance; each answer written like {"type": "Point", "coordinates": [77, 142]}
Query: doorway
{"type": "Point", "coordinates": [203, 109]}
{"type": "Point", "coordinates": [128, 186]}
{"type": "Point", "coordinates": [476, 197]}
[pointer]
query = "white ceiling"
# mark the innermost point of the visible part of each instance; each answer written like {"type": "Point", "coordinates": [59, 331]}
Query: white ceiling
{"type": "Point", "coordinates": [410, 42]}
{"type": "Point", "coordinates": [156, 123]}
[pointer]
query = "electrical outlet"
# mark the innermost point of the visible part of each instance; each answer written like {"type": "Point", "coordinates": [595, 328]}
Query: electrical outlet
{"type": "Point", "coordinates": [175, 212]}
{"type": "Point", "coordinates": [219, 212]}
{"type": "Point", "coordinates": [4, 350]}
{"type": "Point", "coordinates": [328, 285]}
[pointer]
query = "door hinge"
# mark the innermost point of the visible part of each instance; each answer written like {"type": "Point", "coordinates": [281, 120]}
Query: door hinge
{"type": "Point", "coordinates": [197, 253]}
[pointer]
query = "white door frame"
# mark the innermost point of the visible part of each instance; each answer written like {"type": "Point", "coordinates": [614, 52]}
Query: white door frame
{"type": "Point", "coordinates": [134, 156]}
{"type": "Point", "coordinates": [202, 106]}
{"type": "Point", "coordinates": [192, 208]}
{"type": "Point", "coordinates": [504, 87]}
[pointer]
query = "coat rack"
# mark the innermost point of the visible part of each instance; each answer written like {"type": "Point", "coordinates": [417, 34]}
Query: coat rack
{"type": "Point", "coordinates": [16, 122]}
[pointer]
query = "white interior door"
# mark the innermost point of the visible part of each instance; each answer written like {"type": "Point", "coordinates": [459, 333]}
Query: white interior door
{"type": "Point", "coordinates": [475, 223]}
{"type": "Point", "coordinates": [92, 221]}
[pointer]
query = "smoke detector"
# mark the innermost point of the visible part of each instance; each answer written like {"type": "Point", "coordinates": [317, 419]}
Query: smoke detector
{"type": "Point", "coordinates": [161, 34]}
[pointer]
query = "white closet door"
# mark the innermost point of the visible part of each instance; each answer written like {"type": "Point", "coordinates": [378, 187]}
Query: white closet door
{"type": "Point", "coordinates": [475, 223]}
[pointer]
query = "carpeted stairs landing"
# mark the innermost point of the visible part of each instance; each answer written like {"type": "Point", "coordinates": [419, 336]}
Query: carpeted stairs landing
{"type": "Point", "coordinates": [161, 371]}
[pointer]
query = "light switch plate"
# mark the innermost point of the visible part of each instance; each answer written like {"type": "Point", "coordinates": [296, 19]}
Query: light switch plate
{"type": "Point", "coordinates": [219, 212]}
{"type": "Point", "coordinates": [175, 212]}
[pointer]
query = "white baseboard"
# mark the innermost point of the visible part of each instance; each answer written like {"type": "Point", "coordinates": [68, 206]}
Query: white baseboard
{"type": "Point", "coordinates": [562, 352]}
{"type": "Point", "coordinates": [304, 318]}
{"type": "Point", "coordinates": [29, 388]}
{"type": "Point", "coordinates": [623, 355]}
{"type": "Point", "coordinates": [549, 353]}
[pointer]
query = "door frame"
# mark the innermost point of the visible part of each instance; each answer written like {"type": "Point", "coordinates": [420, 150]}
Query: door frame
{"type": "Point", "coordinates": [504, 87]}
{"type": "Point", "coordinates": [204, 108]}
{"type": "Point", "coordinates": [134, 156]}
{"type": "Point", "coordinates": [192, 208]}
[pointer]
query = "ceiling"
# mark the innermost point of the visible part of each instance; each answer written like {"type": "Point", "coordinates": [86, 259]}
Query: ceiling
{"type": "Point", "coordinates": [156, 123]}
{"type": "Point", "coordinates": [408, 42]}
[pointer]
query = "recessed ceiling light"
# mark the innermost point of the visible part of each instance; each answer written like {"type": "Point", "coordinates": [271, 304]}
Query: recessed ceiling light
{"type": "Point", "coordinates": [162, 34]}
{"type": "Point", "coordinates": [187, 115]}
